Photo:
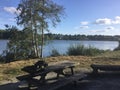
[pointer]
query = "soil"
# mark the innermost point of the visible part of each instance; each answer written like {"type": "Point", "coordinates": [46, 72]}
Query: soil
{"type": "Point", "coordinates": [100, 81]}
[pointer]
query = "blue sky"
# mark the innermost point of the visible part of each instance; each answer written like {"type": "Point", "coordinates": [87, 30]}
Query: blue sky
{"type": "Point", "coordinates": [89, 17]}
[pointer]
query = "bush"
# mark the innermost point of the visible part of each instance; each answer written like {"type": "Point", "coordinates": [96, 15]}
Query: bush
{"type": "Point", "coordinates": [54, 53]}
{"type": "Point", "coordinates": [82, 50]}
{"type": "Point", "coordinates": [118, 48]}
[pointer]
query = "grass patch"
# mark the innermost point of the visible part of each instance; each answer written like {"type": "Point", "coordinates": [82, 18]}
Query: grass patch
{"type": "Point", "coordinates": [110, 57]}
{"type": "Point", "coordinates": [82, 50]}
{"type": "Point", "coordinates": [13, 69]}
{"type": "Point", "coordinates": [54, 53]}
{"type": "Point", "coordinates": [110, 54]}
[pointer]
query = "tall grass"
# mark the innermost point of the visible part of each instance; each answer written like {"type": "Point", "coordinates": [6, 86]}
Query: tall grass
{"type": "Point", "coordinates": [55, 53]}
{"type": "Point", "coordinates": [82, 50]}
{"type": "Point", "coordinates": [118, 48]}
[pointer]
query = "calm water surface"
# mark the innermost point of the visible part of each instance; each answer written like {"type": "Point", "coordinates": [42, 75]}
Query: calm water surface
{"type": "Point", "coordinates": [3, 44]}
{"type": "Point", "coordinates": [62, 45]}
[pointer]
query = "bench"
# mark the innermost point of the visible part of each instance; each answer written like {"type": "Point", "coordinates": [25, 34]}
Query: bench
{"type": "Point", "coordinates": [27, 78]}
{"type": "Point", "coordinates": [64, 81]}
{"type": "Point", "coordinates": [37, 70]}
{"type": "Point", "coordinates": [54, 85]}
{"type": "Point", "coordinates": [105, 68]}
{"type": "Point", "coordinates": [58, 68]}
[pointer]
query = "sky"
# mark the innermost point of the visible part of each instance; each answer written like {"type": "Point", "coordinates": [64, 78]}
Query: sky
{"type": "Point", "coordinates": [89, 17]}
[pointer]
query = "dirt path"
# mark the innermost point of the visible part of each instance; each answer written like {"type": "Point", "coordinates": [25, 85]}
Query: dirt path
{"type": "Point", "coordinates": [102, 81]}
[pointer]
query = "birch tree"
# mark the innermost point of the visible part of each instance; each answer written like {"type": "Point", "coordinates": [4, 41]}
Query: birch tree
{"type": "Point", "coordinates": [37, 16]}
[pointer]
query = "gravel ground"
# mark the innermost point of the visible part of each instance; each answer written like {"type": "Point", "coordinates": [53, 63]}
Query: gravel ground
{"type": "Point", "coordinates": [102, 81]}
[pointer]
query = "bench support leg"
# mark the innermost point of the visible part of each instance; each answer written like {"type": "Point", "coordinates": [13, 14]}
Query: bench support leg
{"type": "Point", "coordinates": [42, 79]}
{"type": "Point", "coordinates": [95, 70]}
{"type": "Point", "coordinates": [60, 72]}
{"type": "Point", "coordinates": [72, 72]}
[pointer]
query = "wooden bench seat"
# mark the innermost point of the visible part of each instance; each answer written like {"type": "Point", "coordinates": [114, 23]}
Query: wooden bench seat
{"type": "Point", "coordinates": [105, 68]}
{"type": "Point", "coordinates": [24, 77]}
{"type": "Point", "coordinates": [30, 81]}
{"type": "Point", "coordinates": [64, 81]}
{"type": "Point", "coordinates": [37, 71]}
{"type": "Point", "coordinates": [54, 85]}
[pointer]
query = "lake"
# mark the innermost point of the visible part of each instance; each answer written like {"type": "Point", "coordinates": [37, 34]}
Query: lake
{"type": "Point", "coordinates": [3, 44]}
{"type": "Point", "coordinates": [62, 45]}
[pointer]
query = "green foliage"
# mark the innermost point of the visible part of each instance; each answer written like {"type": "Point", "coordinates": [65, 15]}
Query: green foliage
{"type": "Point", "coordinates": [5, 34]}
{"type": "Point", "coordinates": [2, 59]}
{"type": "Point", "coordinates": [118, 48]}
{"type": "Point", "coordinates": [37, 15]}
{"type": "Point", "coordinates": [84, 37]}
{"type": "Point", "coordinates": [19, 45]}
{"type": "Point", "coordinates": [82, 50]}
{"type": "Point", "coordinates": [54, 53]}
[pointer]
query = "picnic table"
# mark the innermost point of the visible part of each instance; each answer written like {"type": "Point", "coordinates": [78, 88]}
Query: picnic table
{"type": "Point", "coordinates": [96, 67]}
{"type": "Point", "coordinates": [58, 68]}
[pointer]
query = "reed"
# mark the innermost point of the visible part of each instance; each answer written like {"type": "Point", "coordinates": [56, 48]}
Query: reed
{"type": "Point", "coordinates": [82, 50]}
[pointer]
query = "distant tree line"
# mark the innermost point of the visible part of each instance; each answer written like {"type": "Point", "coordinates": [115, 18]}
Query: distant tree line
{"type": "Point", "coordinates": [5, 34]}
{"type": "Point", "coordinates": [83, 37]}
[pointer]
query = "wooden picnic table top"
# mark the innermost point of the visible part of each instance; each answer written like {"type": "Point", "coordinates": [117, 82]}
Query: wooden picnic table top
{"type": "Point", "coordinates": [65, 64]}
{"type": "Point", "coordinates": [51, 67]}
{"type": "Point", "coordinates": [104, 65]}
{"type": "Point", "coordinates": [58, 68]}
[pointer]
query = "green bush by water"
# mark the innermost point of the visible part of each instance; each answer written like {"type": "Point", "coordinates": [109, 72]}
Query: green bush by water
{"type": "Point", "coordinates": [82, 50]}
{"type": "Point", "coordinates": [54, 53]}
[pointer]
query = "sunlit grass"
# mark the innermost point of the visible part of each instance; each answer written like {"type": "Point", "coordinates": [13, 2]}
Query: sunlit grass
{"type": "Point", "coordinates": [13, 69]}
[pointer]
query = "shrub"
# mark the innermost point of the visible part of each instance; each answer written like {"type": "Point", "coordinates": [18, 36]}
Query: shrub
{"type": "Point", "coordinates": [82, 50]}
{"type": "Point", "coordinates": [54, 53]}
{"type": "Point", "coordinates": [118, 48]}
{"type": "Point", "coordinates": [92, 51]}
{"type": "Point", "coordinates": [2, 59]}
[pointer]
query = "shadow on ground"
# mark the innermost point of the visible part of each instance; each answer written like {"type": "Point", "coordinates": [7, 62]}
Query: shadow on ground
{"type": "Point", "coordinates": [9, 86]}
{"type": "Point", "coordinates": [101, 81]}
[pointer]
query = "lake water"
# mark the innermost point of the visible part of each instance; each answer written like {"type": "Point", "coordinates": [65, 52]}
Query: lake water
{"type": "Point", "coordinates": [3, 44]}
{"type": "Point", "coordinates": [62, 45]}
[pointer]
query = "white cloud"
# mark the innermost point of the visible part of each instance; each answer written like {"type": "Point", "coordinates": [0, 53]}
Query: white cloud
{"type": "Point", "coordinates": [81, 27]}
{"type": "Point", "coordinates": [97, 31]}
{"type": "Point", "coordinates": [84, 27]}
{"type": "Point", "coordinates": [102, 31]}
{"type": "Point", "coordinates": [105, 31]}
{"type": "Point", "coordinates": [110, 28]}
{"type": "Point", "coordinates": [84, 23]}
{"type": "Point", "coordinates": [107, 21]}
{"type": "Point", "coordinates": [104, 21]}
{"type": "Point", "coordinates": [117, 20]}
{"type": "Point", "coordinates": [11, 10]}
{"type": "Point", "coordinates": [12, 19]}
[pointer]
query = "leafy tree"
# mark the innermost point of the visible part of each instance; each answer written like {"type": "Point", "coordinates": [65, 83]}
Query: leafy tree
{"type": "Point", "coordinates": [118, 48]}
{"type": "Point", "coordinates": [19, 45]}
{"type": "Point", "coordinates": [37, 15]}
